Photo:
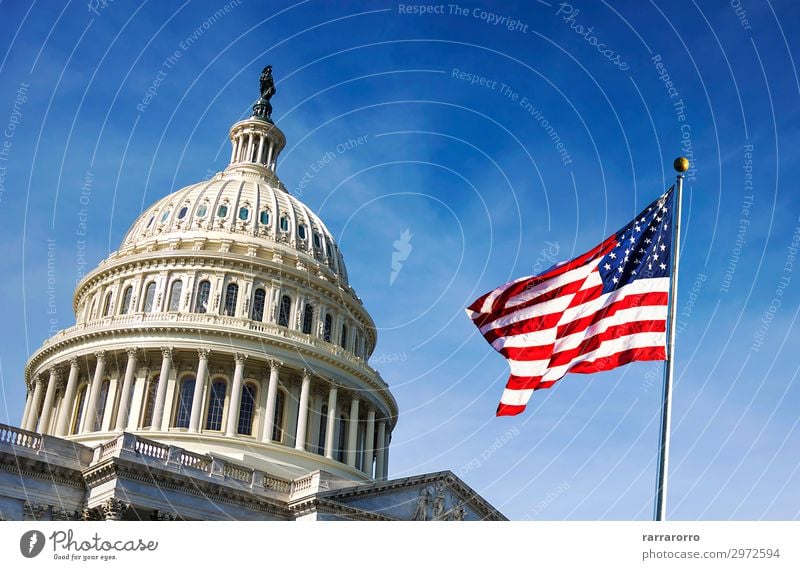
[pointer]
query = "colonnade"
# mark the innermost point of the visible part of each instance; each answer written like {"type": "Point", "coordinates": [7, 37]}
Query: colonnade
{"type": "Point", "coordinates": [265, 401]}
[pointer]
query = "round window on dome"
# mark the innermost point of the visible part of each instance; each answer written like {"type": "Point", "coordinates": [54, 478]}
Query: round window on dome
{"type": "Point", "coordinates": [164, 216]}
{"type": "Point", "coordinates": [302, 232]}
{"type": "Point", "coordinates": [201, 211]}
{"type": "Point", "coordinates": [182, 212]}
{"type": "Point", "coordinates": [244, 213]}
{"type": "Point", "coordinates": [317, 240]}
{"type": "Point", "coordinates": [284, 224]}
{"type": "Point", "coordinates": [264, 217]}
{"type": "Point", "coordinates": [150, 223]}
{"type": "Point", "coordinates": [222, 211]}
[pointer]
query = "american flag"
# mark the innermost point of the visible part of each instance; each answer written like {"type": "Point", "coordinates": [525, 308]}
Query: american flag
{"type": "Point", "coordinates": [600, 310]}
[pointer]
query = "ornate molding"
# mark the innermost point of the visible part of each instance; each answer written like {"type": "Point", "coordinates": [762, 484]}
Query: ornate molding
{"type": "Point", "coordinates": [114, 509]}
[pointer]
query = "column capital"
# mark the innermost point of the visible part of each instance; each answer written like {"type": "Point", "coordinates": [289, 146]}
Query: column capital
{"type": "Point", "coordinates": [203, 353]}
{"type": "Point", "coordinates": [55, 373]}
{"type": "Point", "coordinates": [307, 373]}
{"type": "Point", "coordinates": [239, 358]}
{"type": "Point", "coordinates": [132, 351]}
{"type": "Point", "coordinates": [166, 351]}
{"type": "Point", "coordinates": [114, 509]}
{"type": "Point", "coordinates": [73, 362]}
{"type": "Point", "coordinates": [38, 380]}
{"type": "Point", "coordinates": [100, 355]}
{"type": "Point", "coordinates": [274, 363]}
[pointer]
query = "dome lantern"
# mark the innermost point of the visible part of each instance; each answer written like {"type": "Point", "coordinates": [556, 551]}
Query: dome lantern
{"type": "Point", "coordinates": [257, 141]}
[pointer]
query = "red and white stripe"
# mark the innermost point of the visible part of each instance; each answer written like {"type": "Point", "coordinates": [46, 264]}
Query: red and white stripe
{"type": "Point", "coordinates": [561, 321]}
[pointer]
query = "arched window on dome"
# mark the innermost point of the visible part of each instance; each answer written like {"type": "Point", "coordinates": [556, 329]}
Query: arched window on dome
{"type": "Point", "coordinates": [323, 429]}
{"type": "Point", "coordinates": [317, 240]}
{"type": "Point", "coordinates": [175, 295]}
{"type": "Point", "coordinates": [302, 231]}
{"type": "Point", "coordinates": [216, 404]}
{"type": "Point", "coordinates": [231, 294]}
{"type": "Point", "coordinates": [343, 336]}
{"type": "Point", "coordinates": [101, 405]}
{"type": "Point", "coordinates": [264, 217]}
{"type": "Point", "coordinates": [277, 420]}
{"type": "Point", "coordinates": [79, 402]}
{"type": "Point", "coordinates": [259, 300]}
{"type": "Point", "coordinates": [327, 329]}
{"type": "Point", "coordinates": [107, 305]}
{"type": "Point", "coordinates": [285, 311]}
{"type": "Point", "coordinates": [126, 300]}
{"type": "Point", "coordinates": [340, 451]}
{"type": "Point", "coordinates": [149, 402]}
{"type": "Point", "coordinates": [182, 212]}
{"type": "Point", "coordinates": [247, 409]}
{"type": "Point", "coordinates": [202, 211]}
{"type": "Point", "coordinates": [164, 216]}
{"type": "Point", "coordinates": [201, 299]}
{"type": "Point", "coordinates": [308, 318]}
{"type": "Point", "coordinates": [149, 297]}
{"type": "Point", "coordinates": [222, 211]}
{"type": "Point", "coordinates": [284, 224]}
{"type": "Point", "coordinates": [150, 222]}
{"type": "Point", "coordinates": [93, 312]}
{"type": "Point", "coordinates": [185, 395]}
{"type": "Point", "coordinates": [244, 213]}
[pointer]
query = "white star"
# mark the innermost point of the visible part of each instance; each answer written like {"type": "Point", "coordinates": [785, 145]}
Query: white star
{"type": "Point", "coordinates": [615, 280]}
{"type": "Point", "coordinates": [637, 228]}
{"type": "Point", "coordinates": [652, 228]}
{"type": "Point", "coordinates": [607, 266]}
{"type": "Point", "coordinates": [663, 247]}
{"type": "Point", "coordinates": [619, 269]}
{"type": "Point", "coordinates": [612, 255]}
{"type": "Point", "coordinates": [662, 266]}
{"type": "Point", "coordinates": [649, 266]}
{"type": "Point", "coordinates": [648, 240]}
{"type": "Point", "coordinates": [632, 239]}
{"type": "Point", "coordinates": [655, 256]}
{"type": "Point", "coordinates": [633, 272]}
{"type": "Point", "coordinates": [658, 219]}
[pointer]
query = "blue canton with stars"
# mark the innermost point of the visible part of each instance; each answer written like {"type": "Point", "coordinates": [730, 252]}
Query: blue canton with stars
{"type": "Point", "coordinates": [643, 247]}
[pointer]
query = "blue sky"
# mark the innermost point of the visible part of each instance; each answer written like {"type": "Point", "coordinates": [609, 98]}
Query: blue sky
{"type": "Point", "coordinates": [459, 116]}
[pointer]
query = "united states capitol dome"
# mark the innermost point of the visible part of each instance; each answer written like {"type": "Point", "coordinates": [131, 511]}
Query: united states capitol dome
{"type": "Point", "coordinates": [223, 324]}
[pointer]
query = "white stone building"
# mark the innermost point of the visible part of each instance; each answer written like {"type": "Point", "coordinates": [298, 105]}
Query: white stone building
{"type": "Point", "coordinates": [217, 370]}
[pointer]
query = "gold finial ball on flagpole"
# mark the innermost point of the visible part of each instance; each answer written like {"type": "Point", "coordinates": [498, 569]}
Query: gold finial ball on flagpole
{"type": "Point", "coordinates": [681, 164]}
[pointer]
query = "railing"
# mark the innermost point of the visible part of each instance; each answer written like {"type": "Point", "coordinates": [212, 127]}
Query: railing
{"type": "Point", "coordinates": [109, 448]}
{"type": "Point", "coordinates": [218, 320]}
{"type": "Point", "coordinates": [237, 473]}
{"type": "Point", "coordinates": [150, 448]}
{"type": "Point", "coordinates": [276, 484]}
{"type": "Point", "coordinates": [302, 484]}
{"type": "Point", "coordinates": [20, 437]}
{"type": "Point", "coordinates": [195, 461]}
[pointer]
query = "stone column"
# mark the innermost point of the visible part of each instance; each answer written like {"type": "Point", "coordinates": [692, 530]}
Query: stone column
{"type": "Point", "coordinates": [272, 396]}
{"type": "Point", "coordinates": [234, 146]}
{"type": "Point", "coordinates": [90, 414]}
{"type": "Point", "coordinates": [330, 430]}
{"type": "Point", "coordinates": [38, 394]}
{"type": "Point", "coordinates": [127, 388]}
{"type": "Point", "coordinates": [302, 412]}
{"type": "Point", "coordinates": [111, 397]}
{"type": "Point", "coordinates": [199, 385]}
{"type": "Point", "coordinates": [50, 395]}
{"type": "Point", "coordinates": [28, 402]}
{"type": "Point", "coordinates": [236, 395]}
{"type": "Point", "coordinates": [259, 153]}
{"type": "Point", "coordinates": [161, 390]}
{"type": "Point", "coordinates": [368, 442]}
{"type": "Point", "coordinates": [249, 155]}
{"type": "Point", "coordinates": [68, 402]}
{"type": "Point", "coordinates": [386, 456]}
{"type": "Point", "coordinates": [380, 470]}
{"type": "Point", "coordinates": [352, 433]}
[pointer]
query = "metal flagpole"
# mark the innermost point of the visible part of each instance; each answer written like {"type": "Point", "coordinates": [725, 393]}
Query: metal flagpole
{"type": "Point", "coordinates": [681, 165]}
